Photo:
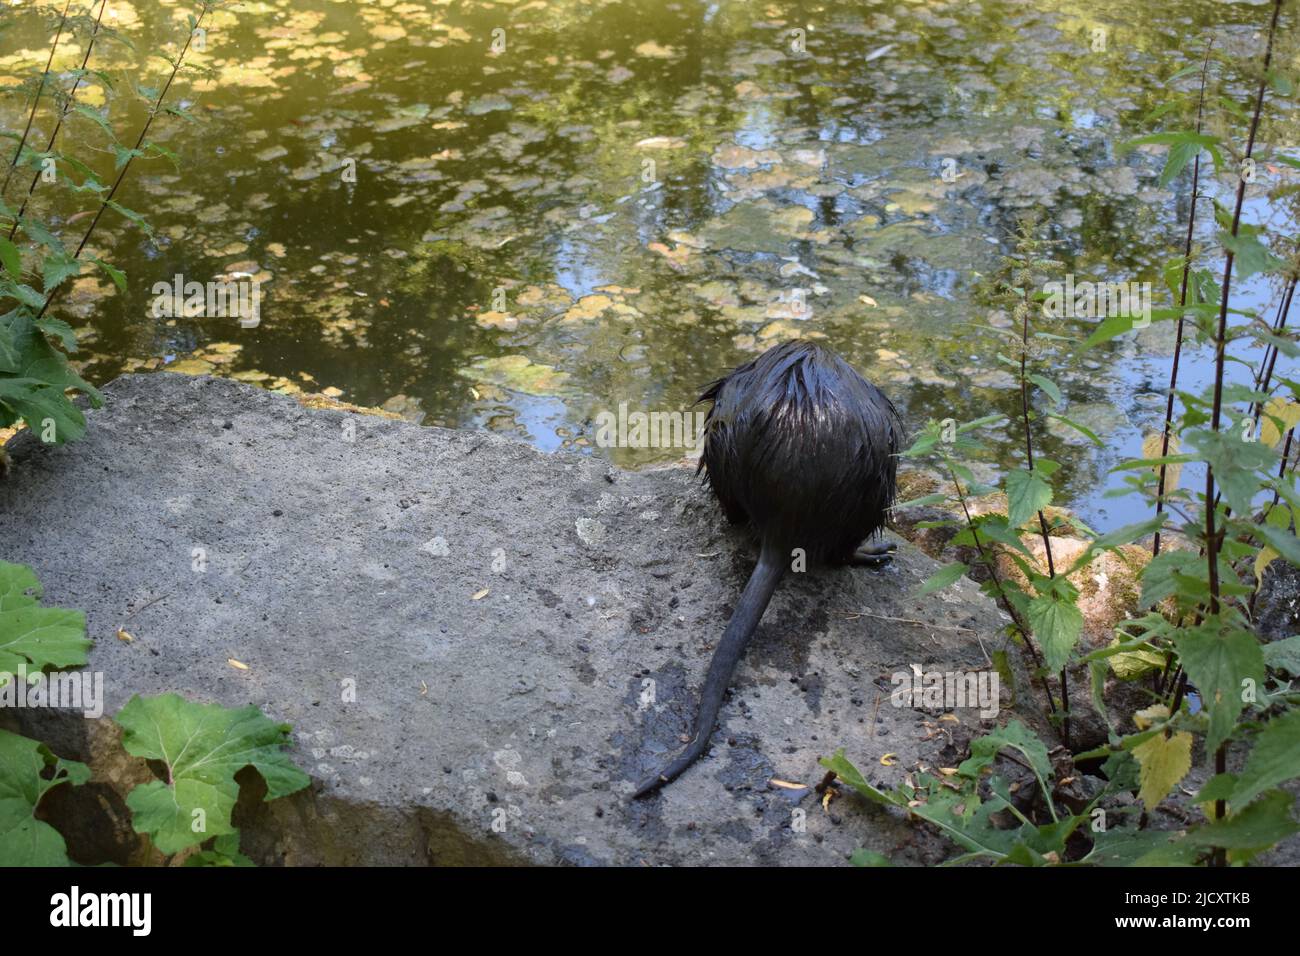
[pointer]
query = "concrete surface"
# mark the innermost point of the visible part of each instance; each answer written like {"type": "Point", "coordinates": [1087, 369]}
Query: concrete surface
{"type": "Point", "coordinates": [502, 613]}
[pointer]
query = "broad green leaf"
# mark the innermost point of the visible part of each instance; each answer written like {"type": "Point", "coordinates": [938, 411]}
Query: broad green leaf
{"type": "Point", "coordinates": [1235, 463]}
{"type": "Point", "coordinates": [58, 269]}
{"type": "Point", "coordinates": [1222, 667]}
{"type": "Point", "coordinates": [1258, 827]}
{"type": "Point", "coordinates": [1180, 154]}
{"type": "Point", "coordinates": [1158, 577]}
{"type": "Point", "coordinates": [942, 578]}
{"type": "Point", "coordinates": [25, 777]}
{"type": "Point", "coordinates": [1048, 386]}
{"type": "Point", "coordinates": [34, 637]}
{"type": "Point", "coordinates": [59, 330]}
{"type": "Point", "coordinates": [1284, 655]}
{"type": "Point", "coordinates": [203, 746]}
{"type": "Point", "coordinates": [12, 259]}
{"type": "Point", "coordinates": [1018, 737]}
{"type": "Point", "coordinates": [1283, 542]}
{"type": "Point", "coordinates": [1249, 254]}
{"type": "Point", "coordinates": [1274, 759]}
{"type": "Point", "coordinates": [39, 403]}
{"type": "Point", "coordinates": [1164, 761]}
{"type": "Point", "coordinates": [1057, 624]}
{"type": "Point", "coordinates": [1027, 494]}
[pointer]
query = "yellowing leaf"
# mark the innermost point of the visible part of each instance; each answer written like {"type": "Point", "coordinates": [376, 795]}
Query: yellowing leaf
{"type": "Point", "coordinates": [124, 636]}
{"type": "Point", "coordinates": [1163, 761]}
{"type": "Point", "coordinates": [1263, 560]}
{"type": "Point", "coordinates": [1282, 408]}
{"type": "Point", "coordinates": [1152, 447]}
{"type": "Point", "coordinates": [1145, 718]}
{"type": "Point", "coordinates": [1133, 664]}
{"type": "Point", "coordinates": [888, 760]}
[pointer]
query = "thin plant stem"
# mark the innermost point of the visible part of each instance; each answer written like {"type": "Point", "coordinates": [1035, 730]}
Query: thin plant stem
{"type": "Point", "coordinates": [1220, 349]}
{"type": "Point", "coordinates": [67, 108]}
{"type": "Point", "coordinates": [36, 99]}
{"type": "Point", "coordinates": [1182, 302]}
{"type": "Point", "coordinates": [144, 131]}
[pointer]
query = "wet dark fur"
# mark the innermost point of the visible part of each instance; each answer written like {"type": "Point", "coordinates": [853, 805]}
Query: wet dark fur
{"type": "Point", "coordinates": [804, 448]}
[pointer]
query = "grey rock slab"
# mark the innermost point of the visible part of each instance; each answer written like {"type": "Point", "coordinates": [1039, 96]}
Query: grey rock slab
{"type": "Point", "coordinates": [480, 646]}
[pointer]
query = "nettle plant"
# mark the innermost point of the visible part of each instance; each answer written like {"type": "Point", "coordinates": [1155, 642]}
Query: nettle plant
{"type": "Point", "coordinates": [198, 748]}
{"type": "Point", "coordinates": [1213, 682]}
{"type": "Point", "coordinates": [39, 253]}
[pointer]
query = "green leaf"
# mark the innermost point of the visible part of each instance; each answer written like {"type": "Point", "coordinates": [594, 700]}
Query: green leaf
{"type": "Point", "coordinates": [1180, 154]}
{"type": "Point", "coordinates": [41, 404]}
{"type": "Point", "coordinates": [1283, 541]}
{"type": "Point", "coordinates": [1016, 736]}
{"type": "Point", "coordinates": [132, 215]}
{"type": "Point", "coordinates": [203, 746]}
{"type": "Point", "coordinates": [1284, 655]}
{"type": "Point", "coordinates": [1220, 665]}
{"type": "Point", "coordinates": [57, 269]}
{"type": "Point", "coordinates": [60, 330]}
{"type": "Point", "coordinates": [1057, 623]}
{"type": "Point", "coordinates": [1258, 827]}
{"type": "Point", "coordinates": [1235, 463]}
{"type": "Point", "coordinates": [97, 118]}
{"type": "Point", "coordinates": [12, 259]}
{"type": "Point", "coordinates": [942, 578]}
{"type": "Point", "coordinates": [1119, 537]}
{"type": "Point", "coordinates": [114, 273]}
{"type": "Point", "coordinates": [34, 637]}
{"type": "Point", "coordinates": [1168, 139]}
{"type": "Point", "coordinates": [1249, 254]}
{"type": "Point", "coordinates": [224, 852]}
{"type": "Point", "coordinates": [1083, 430]}
{"type": "Point", "coordinates": [1027, 494]}
{"type": "Point", "coordinates": [25, 777]}
{"type": "Point", "coordinates": [1158, 577]}
{"type": "Point", "coordinates": [1274, 759]}
{"type": "Point", "coordinates": [37, 231]}
{"type": "Point", "coordinates": [1048, 386]}
{"type": "Point", "coordinates": [866, 857]}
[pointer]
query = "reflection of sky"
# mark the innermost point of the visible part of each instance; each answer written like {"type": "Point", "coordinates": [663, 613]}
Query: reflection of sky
{"type": "Point", "coordinates": [539, 416]}
{"type": "Point", "coordinates": [578, 268]}
{"type": "Point", "coordinates": [1195, 375]}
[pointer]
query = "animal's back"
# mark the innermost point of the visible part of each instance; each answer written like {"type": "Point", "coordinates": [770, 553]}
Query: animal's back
{"type": "Point", "coordinates": [792, 443]}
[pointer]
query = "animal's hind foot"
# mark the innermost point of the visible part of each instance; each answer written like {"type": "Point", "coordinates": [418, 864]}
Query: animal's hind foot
{"type": "Point", "coordinates": [873, 554]}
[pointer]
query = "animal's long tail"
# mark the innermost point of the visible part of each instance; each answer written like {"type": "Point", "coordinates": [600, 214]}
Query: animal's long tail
{"type": "Point", "coordinates": [753, 602]}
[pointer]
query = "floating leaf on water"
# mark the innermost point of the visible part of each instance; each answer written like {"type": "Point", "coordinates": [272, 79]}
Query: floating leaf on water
{"type": "Point", "coordinates": [518, 373]}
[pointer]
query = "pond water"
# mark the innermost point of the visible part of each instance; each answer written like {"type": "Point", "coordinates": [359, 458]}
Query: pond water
{"type": "Point", "coordinates": [516, 216]}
